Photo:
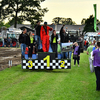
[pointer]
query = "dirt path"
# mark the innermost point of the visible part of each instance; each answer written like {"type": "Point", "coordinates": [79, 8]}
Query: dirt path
{"type": "Point", "coordinates": [7, 54]}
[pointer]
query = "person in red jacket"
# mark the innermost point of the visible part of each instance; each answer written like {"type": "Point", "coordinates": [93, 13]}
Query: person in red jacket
{"type": "Point", "coordinates": [44, 34]}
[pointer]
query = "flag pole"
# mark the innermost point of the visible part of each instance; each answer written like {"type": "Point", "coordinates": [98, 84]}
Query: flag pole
{"type": "Point", "coordinates": [95, 23]}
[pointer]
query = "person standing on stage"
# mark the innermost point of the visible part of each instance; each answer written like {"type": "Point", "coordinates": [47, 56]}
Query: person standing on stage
{"type": "Point", "coordinates": [96, 64]}
{"type": "Point", "coordinates": [44, 34]}
{"type": "Point", "coordinates": [37, 37]}
{"type": "Point", "coordinates": [23, 42]}
{"type": "Point", "coordinates": [62, 34]}
{"type": "Point", "coordinates": [54, 38]}
{"type": "Point", "coordinates": [76, 54]}
{"type": "Point", "coordinates": [64, 39]}
{"type": "Point", "coordinates": [31, 44]}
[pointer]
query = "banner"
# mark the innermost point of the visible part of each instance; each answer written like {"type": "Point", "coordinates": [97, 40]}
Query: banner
{"type": "Point", "coordinates": [95, 18]}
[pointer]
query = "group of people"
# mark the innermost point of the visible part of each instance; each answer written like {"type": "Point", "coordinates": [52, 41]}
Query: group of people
{"type": "Point", "coordinates": [41, 37]}
{"type": "Point", "coordinates": [7, 42]}
{"type": "Point", "coordinates": [94, 59]}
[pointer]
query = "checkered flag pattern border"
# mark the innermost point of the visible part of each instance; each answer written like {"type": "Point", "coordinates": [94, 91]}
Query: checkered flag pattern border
{"type": "Point", "coordinates": [41, 64]}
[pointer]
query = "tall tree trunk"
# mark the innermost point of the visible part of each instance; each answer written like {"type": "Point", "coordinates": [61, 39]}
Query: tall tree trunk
{"type": "Point", "coordinates": [15, 25]}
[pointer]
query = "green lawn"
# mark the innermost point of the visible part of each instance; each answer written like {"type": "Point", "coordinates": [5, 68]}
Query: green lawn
{"type": "Point", "coordinates": [77, 83]}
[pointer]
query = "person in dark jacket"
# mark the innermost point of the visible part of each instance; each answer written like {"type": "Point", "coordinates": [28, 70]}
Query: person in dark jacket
{"type": "Point", "coordinates": [37, 37]}
{"type": "Point", "coordinates": [23, 42]}
{"type": "Point", "coordinates": [31, 45]}
{"type": "Point", "coordinates": [76, 54]}
{"type": "Point", "coordinates": [64, 39]}
{"type": "Point", "coordinates": [54, 38]}
{"type": "Point", "coordinates": [62, 34]}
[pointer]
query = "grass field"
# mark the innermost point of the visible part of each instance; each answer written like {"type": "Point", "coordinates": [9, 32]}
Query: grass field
{"type": "Point", "coordinates": [77, 83]}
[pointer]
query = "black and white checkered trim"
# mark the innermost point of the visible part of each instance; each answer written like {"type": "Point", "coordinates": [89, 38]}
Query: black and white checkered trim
{"type": "Point", "coordinates": [41, 64]}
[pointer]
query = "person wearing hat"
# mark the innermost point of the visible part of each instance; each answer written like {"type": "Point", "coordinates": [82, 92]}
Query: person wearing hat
{"type": "Point", "coordinates": [96, 64]}
{"type": "Point", "coordinates": [44, 34]}
{"type": "Point", "coordinates": [37, 36]}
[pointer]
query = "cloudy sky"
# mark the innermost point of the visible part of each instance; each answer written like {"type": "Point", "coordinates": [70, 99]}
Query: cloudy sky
{"type": "Point", "coordinates": [75, 9]}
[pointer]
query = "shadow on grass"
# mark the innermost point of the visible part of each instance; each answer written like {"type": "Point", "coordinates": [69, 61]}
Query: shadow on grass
{"type": "Point", "coordinates": [18, 68]}
{"type": "Point", "coordinates": [48, 71]}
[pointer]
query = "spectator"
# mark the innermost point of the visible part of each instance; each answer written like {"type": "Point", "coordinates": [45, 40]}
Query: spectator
{"type": "Point", "coordinates": [23, 42]}
{"type": "Point", "coordinates": [89, 50]}
{"type": "Point", "coordinates": [54, 38]}
{"type": "Point", "coordinates": [95, 47]}
{"type": "Point", "coordinates": [96, 64]}
{"type": "Point", "coordinates": [8, 41]}
{"type": "Point", "coordinates": [37, 37]}
{"type": "Point", "coordinates": [89, 42]}
{"type": "Point", "coordinates": [5, 41]}
{"type": "Point", "coordinates": [76, 54]}
{"type": "Point", "coordinates": [45, 36]}
{"type": "Point", "coordinates": [31, 45]}
{"type": "Point", "coordinates": [85, 43]}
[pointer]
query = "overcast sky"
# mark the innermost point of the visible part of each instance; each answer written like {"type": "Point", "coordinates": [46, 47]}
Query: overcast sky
{"type": "Point", "coordinates": [75, 9]}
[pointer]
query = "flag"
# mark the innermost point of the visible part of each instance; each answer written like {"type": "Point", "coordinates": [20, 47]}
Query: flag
{"type": "Point", "coordinates": [95, 18]}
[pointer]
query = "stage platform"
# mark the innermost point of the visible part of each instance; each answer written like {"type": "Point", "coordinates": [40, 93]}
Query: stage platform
{"type": "Point", "coordinates": [46, 61]}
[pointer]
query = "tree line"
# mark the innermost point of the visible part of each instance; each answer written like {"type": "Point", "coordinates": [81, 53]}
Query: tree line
{"type": "Point", "coordinates": [18, 11]}
{"type": "Point", "coordinates": [21, 10]}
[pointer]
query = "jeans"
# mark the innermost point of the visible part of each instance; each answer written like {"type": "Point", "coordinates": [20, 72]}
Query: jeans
{"type": "Point", "coordinates": [38, 39]}
{"type": "Point", "coordinates": [70, 53]}
{"type": "Point", "coordinates": [97, 73]}
{"type": "Point", "coordinates": [54, 48]}
{"type": "Point", "coordinates": [75, 61]}
{"type": "Point", "coordinates": [23, 47]}
{"type": "Point", "coordinates": [30, 51]}
{"type": "Point", "coordinates": [65, 55]}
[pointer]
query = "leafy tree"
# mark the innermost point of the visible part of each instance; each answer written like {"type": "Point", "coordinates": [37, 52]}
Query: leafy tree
{"type": "Point", "coordinates": [1, 24]}
{"type": "Point", "coordinates": [57, 20]}
{"type": "Point", "coordinates": [83, 21]}
{"type": "Point", "coordinates": [12, 21]}
{"type": "Point", "coordinates": [66, 21]}
{"type": "Point", "coordinates": [7, 25]}
{"type": "Point", "coordinates": [4, 25]}
{"type": "Point", "coordinates": [89, 25]}
{"type": "Point", "coordinates": [22, 10]}
{"type": "Point", "coordinates": [98, 22]}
